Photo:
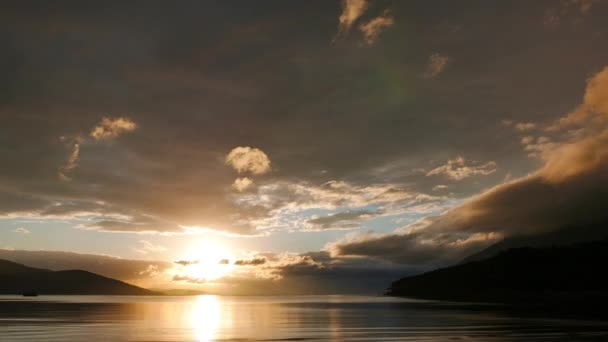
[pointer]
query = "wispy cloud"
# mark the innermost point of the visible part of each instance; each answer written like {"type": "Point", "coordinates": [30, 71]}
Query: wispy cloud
{"type": "Point", "coordinates": [372, 29]}
{"type": "Point", "coordinates": [72, 162]}
{"type": "Point", "coordinates": [459, 168]}
{"type": "Point", "coordinates": [524, 126]}
{"type": "Point", "coordinates": [440, 187]}
{"type": "Point", "coordinates": [436, 64]}
{"type": "Point", "coordinates": [189, 279]}
{"type": "Point", "coordinates": [22, 230]}
{"type": "Point", "coordinates": [341, 205]}
{"type": "Point", "coordinates": [343, 220]}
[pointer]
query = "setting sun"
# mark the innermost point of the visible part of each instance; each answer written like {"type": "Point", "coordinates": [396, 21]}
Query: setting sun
{"type": "Point", "coordinates": [206, 261]}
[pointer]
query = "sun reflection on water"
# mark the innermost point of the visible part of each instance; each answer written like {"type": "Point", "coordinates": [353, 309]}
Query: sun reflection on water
{"type": "Point", "coordinates": [206, 317]}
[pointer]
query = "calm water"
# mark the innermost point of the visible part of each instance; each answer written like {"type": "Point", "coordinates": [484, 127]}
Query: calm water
{"type": "Point", "coordinates": [305, 318]}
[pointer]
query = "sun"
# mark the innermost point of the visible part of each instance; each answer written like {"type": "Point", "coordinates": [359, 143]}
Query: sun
{"type": "Point", "coordinates": [209, 260]}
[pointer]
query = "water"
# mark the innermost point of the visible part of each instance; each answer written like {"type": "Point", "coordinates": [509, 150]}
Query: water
{"type": "Point", "coordinates": [294, 318]}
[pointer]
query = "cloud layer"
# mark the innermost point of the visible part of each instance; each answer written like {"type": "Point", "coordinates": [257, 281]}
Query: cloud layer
{"type": "Point", "coordinates": [567, 191]}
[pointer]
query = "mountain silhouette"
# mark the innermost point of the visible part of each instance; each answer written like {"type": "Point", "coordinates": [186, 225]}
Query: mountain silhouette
{"type": "Point", "coordinates": [18, 279]}
{"type": "Point", "coordinates": [556, 276]}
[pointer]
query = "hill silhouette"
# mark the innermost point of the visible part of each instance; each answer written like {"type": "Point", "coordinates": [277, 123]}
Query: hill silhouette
{"type": "Point", "coordinates": [555, 276]}
{"type": "Point", "coordinates": [17, 279]}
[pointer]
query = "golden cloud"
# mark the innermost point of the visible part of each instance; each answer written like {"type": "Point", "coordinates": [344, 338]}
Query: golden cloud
{"type": "Point", "coordinates": [110, 128]}
{"type": "Point", "coordinates": [242, 184]}
{"type": "Point", "coordinates": [248, 159]}
{"type": "Point", "coordinates": [457, 169]}
{"type": "Point", "coordinates": [351, 11]}
{"type": "Point", "coordinates": [372, 29]}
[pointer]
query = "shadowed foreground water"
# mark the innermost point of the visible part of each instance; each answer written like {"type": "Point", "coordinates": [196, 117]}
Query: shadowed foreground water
{"type": "Point", "coordinates": [304, 318]}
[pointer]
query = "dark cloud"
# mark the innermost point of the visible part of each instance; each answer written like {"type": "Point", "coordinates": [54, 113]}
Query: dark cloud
{"type": "Point", "coordinates": [422, 249]}
{"type": "Point", "coordinates": [187, 262]}
{"type": "Point", "coordinates": [343, 220]}
{"type": "Point", "coordinates": [194, 97]}
{"type": "Point", "coordinates": [250, 262]}
{"type": "Point", "coordinates": [188, 279]}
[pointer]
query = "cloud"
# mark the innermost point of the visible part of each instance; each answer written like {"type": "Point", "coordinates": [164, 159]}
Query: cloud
{"type": "Point", "coordinates": [594, 106]}
{"type": "Point", "coordinates": [21, 230]}
{"type": "Point", "coordinates": [131, 223]}
{"type": "Point", "coordinates": [527, 140]}
{"type": "Point", "coordinates": [242, 183]}
{"type": "Point", "coordinates": [524, 126]}
{"type": "Point", "coordinates": [188, 279]}
{"type": "Point", "coordinates": [351, 11]}
{"type": "Point", "coordinates": [248, 159]}
{"type": "Point", "coordinates": [343, 220]}
{"type": "Point", "coordinates": [457, 169]}
{"type": "Point", "coordinates": [187, 262]}
{"type": "Point", "coordinates": [440, 187]}
{"type": "Point", "coordinates": [148, 247]}
{"type": "Point", "coordinates": [71, 164]}
{"type": "Point", "coordinates": [538, 147]}
{"type": "Point", "coordinates": [110, 128]}
{"type": "Point", "coordinates": [298, 265]}
{"type": "Point", "coordinates": [224, 262]}
{"type": "Point", "coordinates": [437, 63]}
{"type": "Point", "coordinates": [574, 159]}
{"type": "Point", "coordinates": [414, 248]}
{"type": "Point", "coordinates": [349, 113]}
{"type": "Point", "coordinates": [284, 205]}
{"type": "Point", "coordinates": [329, 195]}
{"type": "Point", "coordinates": [372, 29]}
{"type": "Point", "coordinates": [251, 262]}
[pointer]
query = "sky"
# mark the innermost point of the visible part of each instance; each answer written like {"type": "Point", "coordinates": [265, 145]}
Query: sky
{"type": "Point", "coordinates": [305, 146]}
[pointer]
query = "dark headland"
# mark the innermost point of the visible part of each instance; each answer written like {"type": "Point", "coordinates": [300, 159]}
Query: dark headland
{"type": "Point", "coordinates": [19, 279]}
{"type": "Point", "coordinates": [566, 278]}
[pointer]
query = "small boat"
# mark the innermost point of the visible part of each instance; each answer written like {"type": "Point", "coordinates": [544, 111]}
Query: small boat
{"type": "Point", "coordinates": [30, 294]}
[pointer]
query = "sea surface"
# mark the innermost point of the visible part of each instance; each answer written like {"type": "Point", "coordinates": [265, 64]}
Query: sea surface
{"type": "Point", "coordinates": [289, 318]}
